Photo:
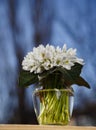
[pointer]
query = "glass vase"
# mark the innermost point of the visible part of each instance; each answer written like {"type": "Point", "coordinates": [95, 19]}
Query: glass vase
{"type": "Point", "coordinates": [53, 106]}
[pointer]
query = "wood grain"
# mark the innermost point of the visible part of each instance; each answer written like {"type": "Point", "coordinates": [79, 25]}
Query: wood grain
{"type": "Point", "coordinates": [44, 127]}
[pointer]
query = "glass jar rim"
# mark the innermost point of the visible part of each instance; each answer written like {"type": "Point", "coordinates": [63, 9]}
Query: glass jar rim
{"type": "Point", "coordinates": [55, 90]}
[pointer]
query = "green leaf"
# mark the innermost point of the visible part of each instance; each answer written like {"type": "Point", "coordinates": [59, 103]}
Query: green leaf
{"type": "Point", "coordinates": [75, 70]}
{"type": "Point", "coordinates": [70, 76]}
{"type": "Point", "coordinates": [66, 77]}
{"type": "Point", "coordinates": [45, 73]}
{"type": "Point", "coordinates": [26, 78]}
{"type": "Point", "coordinates": [81, 82]}
{"type": "Point", "coordinates": [57, 75]}
{"type": "Point", "coordinates": [73, 76]}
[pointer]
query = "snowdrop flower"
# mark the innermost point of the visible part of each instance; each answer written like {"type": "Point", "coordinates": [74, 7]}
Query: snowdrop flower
{"type": "Point", "coordinates": [44, 58]}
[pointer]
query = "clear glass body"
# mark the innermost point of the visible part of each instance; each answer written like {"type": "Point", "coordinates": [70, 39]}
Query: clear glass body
{"type": "Point", "coordinates": [53, 106]}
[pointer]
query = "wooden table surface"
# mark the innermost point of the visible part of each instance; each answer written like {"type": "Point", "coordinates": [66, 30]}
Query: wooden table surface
{"type": "Point", "coordinates": [44, 127]}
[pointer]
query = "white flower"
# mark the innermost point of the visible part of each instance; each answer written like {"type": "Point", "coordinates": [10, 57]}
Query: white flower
{"type": "Point", "coordinates": [44, 58]}
{"type": "Point", "coordinates": [64, 48]}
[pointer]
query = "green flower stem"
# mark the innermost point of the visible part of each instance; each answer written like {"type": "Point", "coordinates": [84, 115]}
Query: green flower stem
{"type": "Point", "coordinates": [54, 109]}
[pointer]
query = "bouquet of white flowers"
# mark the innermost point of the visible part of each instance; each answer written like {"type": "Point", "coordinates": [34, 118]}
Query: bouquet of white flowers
{"type": "Point", "coordinates": [45, 63]}
{"type": "Point", "coordinates": [52, 68]}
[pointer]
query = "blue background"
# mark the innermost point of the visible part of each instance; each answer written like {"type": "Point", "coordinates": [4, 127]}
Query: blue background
{"type": "Point", "coordinates": [28, 23]}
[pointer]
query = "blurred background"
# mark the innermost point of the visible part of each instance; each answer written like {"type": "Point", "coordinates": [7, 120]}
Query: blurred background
{"type": "Point", "coordinates": [28, 23]}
